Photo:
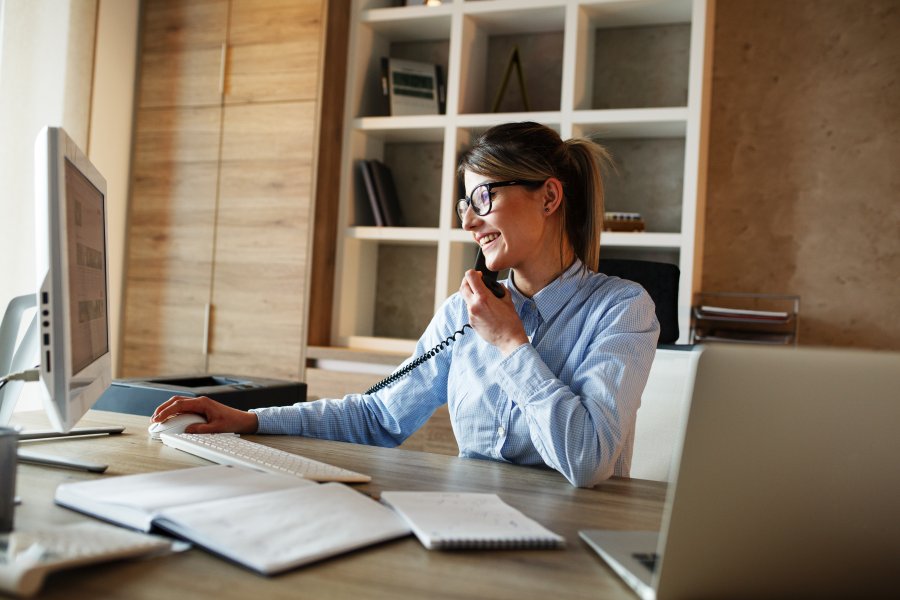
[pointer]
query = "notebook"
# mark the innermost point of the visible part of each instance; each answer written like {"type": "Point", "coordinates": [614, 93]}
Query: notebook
{"type": "Point", "coordinates": [450, 520]}
{"type": "Point", "coordinates": [786, 484]}
{"type": "Point", "coordinates": [265, 522]}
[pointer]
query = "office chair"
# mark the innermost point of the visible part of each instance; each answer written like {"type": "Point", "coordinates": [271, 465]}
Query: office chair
{"type": "Point", "coordinates": [661, 282]}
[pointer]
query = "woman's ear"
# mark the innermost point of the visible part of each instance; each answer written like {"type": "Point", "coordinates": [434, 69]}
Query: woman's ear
{"type": "Point", "coordinates": [552, 195]}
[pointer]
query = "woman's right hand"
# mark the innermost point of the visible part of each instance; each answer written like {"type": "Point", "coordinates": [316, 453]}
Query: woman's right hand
{"type": "Point", "coordinates": [219, 418]}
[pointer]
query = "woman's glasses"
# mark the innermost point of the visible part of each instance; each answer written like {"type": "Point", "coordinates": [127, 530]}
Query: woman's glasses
{"type": "Point", "coordinates": [480, 198]}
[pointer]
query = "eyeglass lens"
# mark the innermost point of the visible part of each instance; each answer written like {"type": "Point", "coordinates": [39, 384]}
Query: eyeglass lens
{"type": "Point", "coordinates": [480, 200]}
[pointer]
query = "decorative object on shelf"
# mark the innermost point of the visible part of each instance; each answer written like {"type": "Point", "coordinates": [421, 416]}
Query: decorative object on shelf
{"type": "Point", "coordinates": [746, 318]}
{"type": "Point", "coordinates": [514, 62]}
{"type": "Point", "coordinates": [421, 2]}
{"type": "Point", "coordinates": [623, 221]}
{"type": "Point", "coordinates": [382, 193]}
{"type": "Point", "coordinates": [412, 87]}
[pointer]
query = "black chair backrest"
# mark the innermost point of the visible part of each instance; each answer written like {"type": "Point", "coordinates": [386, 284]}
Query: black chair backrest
{"type": "Point", "coordinates": [661, 282]}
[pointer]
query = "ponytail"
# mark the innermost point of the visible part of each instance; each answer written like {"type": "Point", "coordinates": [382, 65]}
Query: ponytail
{"type": "Point", "coordinates": [584, 213]}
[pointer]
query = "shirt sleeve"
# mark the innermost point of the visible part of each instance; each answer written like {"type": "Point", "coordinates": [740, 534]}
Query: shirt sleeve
{"type": "Point", "coordinates": [582, 434]}
{"type": "Point", "coordinates": [384, 418]}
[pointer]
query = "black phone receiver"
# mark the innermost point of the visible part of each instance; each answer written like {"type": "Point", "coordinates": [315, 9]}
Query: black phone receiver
{"type": "Point", "coordinates": [487, 276]}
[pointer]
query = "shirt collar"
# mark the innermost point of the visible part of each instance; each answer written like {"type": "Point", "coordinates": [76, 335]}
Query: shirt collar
{"type": "Point", "coordinates": [551, 299]}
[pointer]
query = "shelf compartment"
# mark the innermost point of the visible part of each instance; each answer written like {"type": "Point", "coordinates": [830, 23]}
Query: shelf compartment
{"type": "Point", "coordinates": [648, 177]}
{"type": "Point", "coordinates": [404, 292]}
{"type": "Point", "coordinates": [390, 289]}
{"type": "Point", "coordinates": [633, 54]}
{"type": "Point", "coordinates": [425, 39]}
{"type": "Point", "coordinates": [490, 32]}
{"type": "Point", "coordinates": [415, 159]}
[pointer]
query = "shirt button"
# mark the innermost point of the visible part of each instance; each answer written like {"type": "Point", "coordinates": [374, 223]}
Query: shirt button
{"type": "Point", "coordinates": [500, 431]}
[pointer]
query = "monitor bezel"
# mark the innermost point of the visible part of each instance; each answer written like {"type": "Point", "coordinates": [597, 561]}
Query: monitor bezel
{"type": "Point", "coordinates": [66, 395]}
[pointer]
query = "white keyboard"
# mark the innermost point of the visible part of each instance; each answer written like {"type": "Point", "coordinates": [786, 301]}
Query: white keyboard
{"type": "Point", "coordinates": [26, 557]}
{"type": "Point", "coordinates": [230, 449]}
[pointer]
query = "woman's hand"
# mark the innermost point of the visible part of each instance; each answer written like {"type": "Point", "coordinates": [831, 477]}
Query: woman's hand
{"type": "Point", "coordinates": [492, 318]}
{"type": "Point", "coordinates": [219, 418]}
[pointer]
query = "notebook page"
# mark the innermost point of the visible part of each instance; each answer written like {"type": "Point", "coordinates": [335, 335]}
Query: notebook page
{"type": "Point", "coordinates": [276, 531]}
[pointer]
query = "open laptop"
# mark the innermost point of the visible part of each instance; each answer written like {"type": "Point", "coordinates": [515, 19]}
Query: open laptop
{"type": "Point", "coordinates": [787, 483]}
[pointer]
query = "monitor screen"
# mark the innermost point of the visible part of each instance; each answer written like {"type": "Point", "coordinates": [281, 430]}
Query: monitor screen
{"type": "Point", "coordinates": [85, 225]}
{"type": "Point", "coordinates": [72, 300]}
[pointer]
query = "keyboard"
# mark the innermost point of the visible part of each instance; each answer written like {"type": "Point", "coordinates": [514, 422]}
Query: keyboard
{"type": "Point", "coordinates": [26, 557]}
{"type": "Point", "coordinates": [230, 449]}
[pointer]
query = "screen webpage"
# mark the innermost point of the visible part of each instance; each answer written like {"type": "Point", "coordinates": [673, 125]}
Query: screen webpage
{"type": "Point", "coordinates": [86, 228]}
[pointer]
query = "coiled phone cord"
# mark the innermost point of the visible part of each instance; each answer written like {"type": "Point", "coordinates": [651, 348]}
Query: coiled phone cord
{"type": "Point", "coordinates": [392, 378]}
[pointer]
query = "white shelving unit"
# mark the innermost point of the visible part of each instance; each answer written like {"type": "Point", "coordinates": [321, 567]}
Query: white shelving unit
{"type": "Point", "coordinates": [594, 59]}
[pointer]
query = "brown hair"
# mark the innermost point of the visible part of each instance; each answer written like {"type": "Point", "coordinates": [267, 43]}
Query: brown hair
{"type": "Point", "coordinates": [533, 151]}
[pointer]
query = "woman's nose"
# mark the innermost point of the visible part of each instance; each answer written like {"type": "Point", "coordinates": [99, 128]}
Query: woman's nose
{"type": "Point", "coordinates": [469, 218]}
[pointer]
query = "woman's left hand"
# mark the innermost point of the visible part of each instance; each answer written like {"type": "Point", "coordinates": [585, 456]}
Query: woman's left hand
{"type": "Point", "coordinates": [492, 318]}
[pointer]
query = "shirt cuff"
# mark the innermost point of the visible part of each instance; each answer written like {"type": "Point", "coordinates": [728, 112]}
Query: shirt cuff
{"type": "Point", "coordinates": [278, 420]}
{"type": "Point", "coordinates": [523, 374]}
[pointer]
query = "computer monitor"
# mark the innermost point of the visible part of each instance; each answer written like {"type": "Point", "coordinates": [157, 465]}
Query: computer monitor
{"type": "Point", "coordinates": [72, 282]}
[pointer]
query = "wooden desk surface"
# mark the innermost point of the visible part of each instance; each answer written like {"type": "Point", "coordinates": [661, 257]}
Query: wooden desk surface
{"type": "Point", "coordinates": [396, 569]}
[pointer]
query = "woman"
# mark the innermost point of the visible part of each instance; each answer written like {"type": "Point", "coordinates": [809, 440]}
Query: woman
{"type": "Point", "coordinates": [555, 373]}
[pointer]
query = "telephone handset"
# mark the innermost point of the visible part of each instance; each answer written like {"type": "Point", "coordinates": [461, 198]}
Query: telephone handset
{"type": "Point", "coordinates": [490, 280]}
{"type": "Point", "coordinates": [487, 276]}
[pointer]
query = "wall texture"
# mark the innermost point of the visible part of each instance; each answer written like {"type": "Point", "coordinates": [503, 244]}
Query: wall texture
{"type": "Point", "coordinates": [804, 163]}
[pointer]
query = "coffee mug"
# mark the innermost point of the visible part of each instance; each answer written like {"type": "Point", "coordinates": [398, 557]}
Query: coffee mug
{"type": "Point", "coordinates": [9, 443]}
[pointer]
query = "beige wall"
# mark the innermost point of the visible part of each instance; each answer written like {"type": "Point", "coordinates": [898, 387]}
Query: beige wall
{"type": "Point", "coordinates": [804, 184]}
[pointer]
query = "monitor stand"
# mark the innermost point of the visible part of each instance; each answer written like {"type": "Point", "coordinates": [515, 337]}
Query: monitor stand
{"type": "Point", "coordinates": [19, 357]}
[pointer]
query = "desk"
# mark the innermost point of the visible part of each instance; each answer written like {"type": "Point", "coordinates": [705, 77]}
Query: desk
{"type": "Point", "coordinates": [396, 569]}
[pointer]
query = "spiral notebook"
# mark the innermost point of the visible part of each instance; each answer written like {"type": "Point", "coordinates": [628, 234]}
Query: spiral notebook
{"type": "Point", "coordinates": [449, 521]}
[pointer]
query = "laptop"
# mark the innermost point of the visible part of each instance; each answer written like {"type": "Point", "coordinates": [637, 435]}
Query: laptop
{"type": "Point", "coordinates": [787, 482]}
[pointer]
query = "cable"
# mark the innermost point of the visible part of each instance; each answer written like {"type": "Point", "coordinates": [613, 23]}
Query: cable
{"type": "Point", "coordinates": [26, 375]}
{"type": "Point", "coordinates": [390, 379]}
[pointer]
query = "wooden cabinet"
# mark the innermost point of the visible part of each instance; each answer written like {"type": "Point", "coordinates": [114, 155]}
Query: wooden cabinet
{"type": "Point", "coordinates": [632, 75]}
{"type": "Point", "coordinates": [222, 191]}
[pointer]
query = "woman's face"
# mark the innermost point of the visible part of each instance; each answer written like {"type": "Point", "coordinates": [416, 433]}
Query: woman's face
{"type": "Point", "coordinates": [515, 232]}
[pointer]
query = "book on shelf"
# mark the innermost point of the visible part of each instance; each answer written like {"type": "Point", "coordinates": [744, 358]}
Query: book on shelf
{"type": "Point", "coordinates": [265, 522]}
{"type": "Point", "coordinates": [458, 520]}
{"type": "Point", "coordinates": [382, 193]}
{"type": "Point", "coordinates": [412, 87]}
{"type": "Point", "coordinates": [623, 221]}
{"type": "Point", "coordinates": [368, 179]}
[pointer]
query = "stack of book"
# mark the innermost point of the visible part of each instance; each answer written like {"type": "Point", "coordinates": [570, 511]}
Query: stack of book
{"type": "Point", "coordinates": [623, 221]}
{"type": "Point", "coordinates": [381, 193]}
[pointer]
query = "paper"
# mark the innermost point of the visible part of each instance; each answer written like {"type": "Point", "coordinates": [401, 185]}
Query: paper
{"type": "Point", "coordinates": [133, 500]}
{"type": "Point", "coordinates": [276, 531]}
{"type": "Point", "coordinates": [468, 520]}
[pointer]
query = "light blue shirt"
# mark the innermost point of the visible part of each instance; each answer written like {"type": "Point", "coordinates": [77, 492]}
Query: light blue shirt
{"type": "Point", "coordinates": [567, 400]}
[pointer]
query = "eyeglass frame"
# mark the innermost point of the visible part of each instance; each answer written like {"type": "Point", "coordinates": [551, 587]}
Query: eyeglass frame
{"type": "Point", "coordinates": [467, 202]}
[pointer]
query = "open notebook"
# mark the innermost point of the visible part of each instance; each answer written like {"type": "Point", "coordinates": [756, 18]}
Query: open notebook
{"type": "Point", "coordinates": [267, 523]}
